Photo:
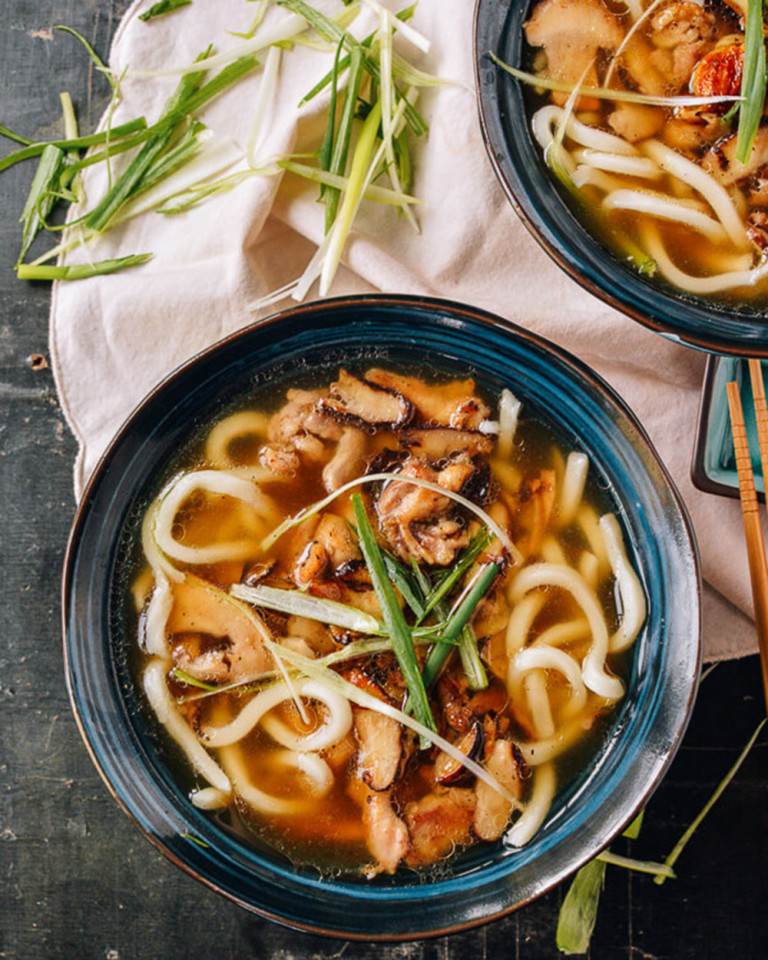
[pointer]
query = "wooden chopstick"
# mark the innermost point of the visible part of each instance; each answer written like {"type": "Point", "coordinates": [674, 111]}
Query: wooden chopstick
{"type": "Point", "coordinates": [758, 565]}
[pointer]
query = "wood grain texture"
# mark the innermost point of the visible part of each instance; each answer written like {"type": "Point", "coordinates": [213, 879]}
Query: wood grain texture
{"type": "Point", "coordinates": [77, 880]}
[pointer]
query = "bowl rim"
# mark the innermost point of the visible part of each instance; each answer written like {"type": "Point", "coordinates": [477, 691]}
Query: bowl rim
{"type": "Point", "coordinates": [653, 306]}
{"type": "Point", "coordinates": [503, 328]}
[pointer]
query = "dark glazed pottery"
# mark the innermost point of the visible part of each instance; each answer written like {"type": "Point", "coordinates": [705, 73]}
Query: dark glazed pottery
{"type": "Point", "coordinates": [518, 163]}
{"type": "Point", "coordinates": [644, 731]}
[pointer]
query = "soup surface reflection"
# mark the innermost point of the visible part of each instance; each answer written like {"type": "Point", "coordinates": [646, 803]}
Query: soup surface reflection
{"type": "Point", "coordinates": [383, 621]}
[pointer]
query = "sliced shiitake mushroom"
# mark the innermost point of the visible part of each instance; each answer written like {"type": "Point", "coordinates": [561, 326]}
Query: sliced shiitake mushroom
{"type": "Point", "coordinates": [364, 404]}
{"type": "Point", "coordinates": [448, 770]}
{"type": "Point", "coordinates": [440, 443]}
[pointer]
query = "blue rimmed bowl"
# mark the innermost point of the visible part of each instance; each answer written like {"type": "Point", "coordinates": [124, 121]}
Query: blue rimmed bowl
{"type": "Point", "coordinates": [555, 388]}
{"type": "Point", "coordinates": [718, 327]}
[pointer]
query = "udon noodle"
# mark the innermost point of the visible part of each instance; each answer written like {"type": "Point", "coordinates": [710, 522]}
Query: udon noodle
{"type": "Point", "coordinates": [649, 148]}
{"type": "Point", "coordinates": [381, 621]}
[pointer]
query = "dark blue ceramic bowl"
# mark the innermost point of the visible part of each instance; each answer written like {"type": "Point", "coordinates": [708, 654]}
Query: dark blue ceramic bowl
{"type": "Point", "coordinates": [486, 881]}
{"type": "Point", "coordinates": [517, 160]}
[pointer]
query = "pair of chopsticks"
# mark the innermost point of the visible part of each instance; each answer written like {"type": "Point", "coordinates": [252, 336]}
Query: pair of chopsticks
{"type": "Point", "coordinates": [758, 565]}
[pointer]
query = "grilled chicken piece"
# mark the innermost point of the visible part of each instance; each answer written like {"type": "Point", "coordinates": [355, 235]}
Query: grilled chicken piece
{"type": "Point", "coordinates": [440, 443]}
{"type": "Point", "coordinates": [348, 461]}
{"type": "Point", "coordinates": [493, 810]}
{"type": "Point", "coordinates": [359, 402]}
{"type": "Point", "coordinates": [297, 432]}
{"type": "Point", "coordinates": [381, 748]}
{"type": "Point", "coordinates": [385, 833]}
{"type": "Point", "coordinates": [331, 549]}
{"type": "Point", "coordinates": [215, 641]}
{"type": "Point", "coordinates": [635, 122]}
{"type": "Point", "coordinates": [420, 523]}
{"type": "Point", "coordinates": [452, 405]}
{"type": "Point", "coordinates": [573, 32]}
{"type": "Point", "coordinates": [438, 824]}
{"type": "Point", "coordinates": [682, 33]}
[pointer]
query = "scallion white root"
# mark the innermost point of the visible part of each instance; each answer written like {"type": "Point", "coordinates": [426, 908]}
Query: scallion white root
{"type": "Point", "coordinates": [305, 605]}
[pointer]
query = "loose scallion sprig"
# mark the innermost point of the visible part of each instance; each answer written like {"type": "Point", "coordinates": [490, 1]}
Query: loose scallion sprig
{"type": "Point", "coordinates": [79, 271]}
{"type": "Point", "coordinates": [478, 543]}
{"type": "Point", "coordinates": [163, 7]}
{"type": "Point", "coordinates": [455, 624]}
{"type": "Point", "coordinates": [753, 81]}
{"type": "Point", "coordinates": [42, 196]}
{"type": "Point", "coordinates": [399, 631]}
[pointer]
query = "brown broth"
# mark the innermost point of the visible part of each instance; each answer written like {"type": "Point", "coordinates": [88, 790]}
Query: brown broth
{"type": "Point", "coordinates": [332, 836]}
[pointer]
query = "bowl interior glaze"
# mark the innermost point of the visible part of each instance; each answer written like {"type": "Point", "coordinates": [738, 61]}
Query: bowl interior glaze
{"type": "Point", "coordinates": [554, 387]}
{"type": "Point", "coordinates": [516, 159]}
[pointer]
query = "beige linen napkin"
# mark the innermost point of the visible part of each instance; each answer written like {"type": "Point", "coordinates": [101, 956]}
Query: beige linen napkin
{"type": "Point", "coordinates": [114, 337]}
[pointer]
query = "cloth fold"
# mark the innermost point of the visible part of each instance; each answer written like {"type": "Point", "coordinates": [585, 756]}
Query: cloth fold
{"type": "Point", "coordinates": [114, 337]}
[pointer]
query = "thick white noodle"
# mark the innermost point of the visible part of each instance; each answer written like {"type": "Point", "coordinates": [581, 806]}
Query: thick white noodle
{"type": "Point", "coordinates": [318, 773]}
{"type": "Point", "coordinates": [537, 808]}
{"type": "Point", "coordinates": [593, 666]}
{"type": "Point", "coordinates": [665, 208]}
{"type": "Point", "coordinates": [220, 482]}
{"type": "Point", "coordinates": [336, 726]}
{"type": "Point", "coordinates": [540, 658]}
{"type": "Point", "coordinates": [589, 522]}
{"type": "Point", "coordinates": [242, 424]}
{"type": "Point", "coordinates": [521, 620]}
{"type": "Point", "coordinates": [630, 166]}
{"type": "Point", "coordinates": [156, 619]}
{"type": "Point", "coordinates": [509, 414]}
{"type": "Point", "coordinates": [559, 634]}
{"type": "Point", "coordinates": [152, 552]}
{"type": "Point", "coordinates": [696, 177]}
{"type": "Point", "coordinates": [589, 568]}
{"type": "Point", "coordinates": [209, 798]}
{"type": "Point", "coordinates": [168, 714]}
{"type": "Point", "coordinates": [584, 176]}
{"type": "Point", "coordinates": [538, 752]}
{"type": "Point", "coordinates": [572, 489]}
{"type": "Point", "coordinates": [535, 685]}
{"type": "Point", "coordinates": [633, 603]}
{"type": "Point", "coordinates": [546, 120]}
{"type": "Point", "coordinates": [701, 285]}
{"type": "Point", "coordinates": [552, 551]}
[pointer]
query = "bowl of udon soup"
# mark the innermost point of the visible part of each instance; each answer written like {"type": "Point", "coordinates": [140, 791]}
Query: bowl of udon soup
{"type": "Point", "coordinates": [382, 617]}
{"type": "Point", "coordinates": [613, 130]}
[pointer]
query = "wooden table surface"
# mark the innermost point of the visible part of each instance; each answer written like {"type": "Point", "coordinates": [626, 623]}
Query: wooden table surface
{"type": "Point", "coordinates": [77, 880]}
